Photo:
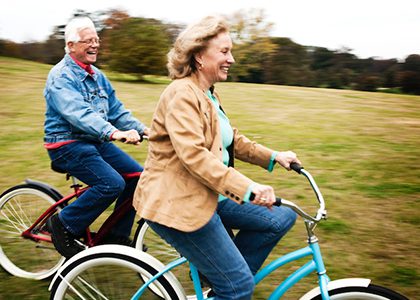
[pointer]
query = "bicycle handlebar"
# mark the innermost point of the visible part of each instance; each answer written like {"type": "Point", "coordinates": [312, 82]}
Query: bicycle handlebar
{"type": "Point", "coordinates": [142, 138]}
{"type": "Point", "coordinates": [321, 213]}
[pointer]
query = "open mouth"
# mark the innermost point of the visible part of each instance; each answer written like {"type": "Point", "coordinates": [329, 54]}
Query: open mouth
{"type": "Point", "coordinates": [225, 69]}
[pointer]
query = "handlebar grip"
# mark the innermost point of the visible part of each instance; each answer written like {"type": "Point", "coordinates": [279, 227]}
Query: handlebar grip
{"type": "Point", "coordinates": [251, 197]}
{"type": "Point", "coordinates": [277, 203]}
{"type": "Point", "coordinates": [296, 167]}
{"type": "Point", "coordinates": [142, 138]}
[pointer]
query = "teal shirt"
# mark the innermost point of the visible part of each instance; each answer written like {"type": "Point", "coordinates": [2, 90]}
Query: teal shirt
{"type": "Point", "coordinates": [225, 128]}
{"type": "Point", "coordinates": [227, 139]}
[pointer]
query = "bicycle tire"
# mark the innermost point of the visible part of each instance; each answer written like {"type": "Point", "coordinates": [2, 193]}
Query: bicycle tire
{"type": "Point", "coordinates": [20, 207]}
{"type": "Point", "coordinates": [147, 240]}
{"type": "Point", "coordinates": [112, 272]}
{"type": "Point", "coordinates": [370, 292]}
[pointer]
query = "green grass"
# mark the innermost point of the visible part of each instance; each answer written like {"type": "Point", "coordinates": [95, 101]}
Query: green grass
{"type": "Point", "coordinates": [362, 148]}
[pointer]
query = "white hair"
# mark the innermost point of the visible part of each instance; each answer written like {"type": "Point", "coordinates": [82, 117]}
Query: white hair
{"type": "Point", "coordinates": [73, 28]}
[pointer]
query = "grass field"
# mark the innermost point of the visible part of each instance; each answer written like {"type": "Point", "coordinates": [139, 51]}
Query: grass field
{"type": "Point", "coordinates": [362, 148]}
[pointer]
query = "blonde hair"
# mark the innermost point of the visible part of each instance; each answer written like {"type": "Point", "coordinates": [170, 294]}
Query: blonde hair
{"type": "Point", "coordinates": [193, 39]}
{"type": "Point", "coordinates": [71, 33]}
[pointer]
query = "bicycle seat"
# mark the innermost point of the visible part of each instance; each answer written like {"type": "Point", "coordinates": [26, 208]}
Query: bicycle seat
{"type": "Point", "coordinates": [57, 169]}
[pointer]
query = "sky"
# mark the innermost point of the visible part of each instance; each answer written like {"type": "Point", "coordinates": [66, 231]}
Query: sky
{"type": "Point", "coordinates": [370, 28]}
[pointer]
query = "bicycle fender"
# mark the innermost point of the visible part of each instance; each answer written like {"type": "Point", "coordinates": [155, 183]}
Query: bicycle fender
{"type": "Point", "coordinates": [50, 190]}
{"type": "Point", "coordinates": [111, 248]}
{"type": "Point", "coordinates": [339, 283]}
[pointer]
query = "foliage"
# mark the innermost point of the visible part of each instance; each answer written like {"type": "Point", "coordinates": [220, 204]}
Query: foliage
{"type": "Point", "coordinates": [410, 75]}
{"type": "Point", "coordinates": [252, 44]}
{"type": "Point", "coordinates": [138, 46]}
{"type": "Point", "coordinates": [287, 64]}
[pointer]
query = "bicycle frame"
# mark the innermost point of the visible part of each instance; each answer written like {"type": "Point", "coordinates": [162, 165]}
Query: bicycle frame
{"type": "Point", "coordinates": [315, 264]}
{"type": "Point", "coordinates": [39, 234]}
{"type": "Point", "coordinates": [29, 233]}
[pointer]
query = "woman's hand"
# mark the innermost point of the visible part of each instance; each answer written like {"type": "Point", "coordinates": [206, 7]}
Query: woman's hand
{"type": "Point", "coordinates": [264, 195]}
{"type": "Point", "coordinates": [285, 158]}
{"type": "Point", "coordinates": [127, 137]}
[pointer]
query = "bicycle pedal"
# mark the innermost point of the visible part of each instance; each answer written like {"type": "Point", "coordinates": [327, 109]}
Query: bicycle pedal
{"type": "Point", "coordinates": [81, 244]}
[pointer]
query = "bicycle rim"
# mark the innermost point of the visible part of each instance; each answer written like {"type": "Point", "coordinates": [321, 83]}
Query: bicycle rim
{"type": "Point", "coordinates": [149, 241]}
{"type": "Point", "coordinates": [20, 207]}
{"type": "Point", "coordinates": [109, 276]}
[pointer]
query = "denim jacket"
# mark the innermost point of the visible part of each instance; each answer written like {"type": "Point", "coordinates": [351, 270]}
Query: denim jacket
{"type": "Point", "coordinates": [82, 106]}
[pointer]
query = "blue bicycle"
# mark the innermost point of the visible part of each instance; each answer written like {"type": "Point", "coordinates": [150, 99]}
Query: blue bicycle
{"type": "Point", "coordinates": [120, 272]}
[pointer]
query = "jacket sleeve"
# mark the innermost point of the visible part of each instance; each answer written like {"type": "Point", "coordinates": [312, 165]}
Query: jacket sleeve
{"type": "Point", "coordinates": [119, 116]}
{"type": "Point", "coordinates": [185, 123]}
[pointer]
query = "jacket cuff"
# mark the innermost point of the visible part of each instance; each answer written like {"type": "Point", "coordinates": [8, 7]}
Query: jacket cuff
{"type": "Point", "coordinates": [248, 192]}
{"type": "Point", "coordinates": [111, 137]}
{"type": "Point", "coordinates": [272, 161]}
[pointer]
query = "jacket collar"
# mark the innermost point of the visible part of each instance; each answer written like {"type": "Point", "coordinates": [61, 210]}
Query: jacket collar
{"type": "Point", "coordinates": [86, 67]}
{"type": "Point", "coordinates": [193, 77]}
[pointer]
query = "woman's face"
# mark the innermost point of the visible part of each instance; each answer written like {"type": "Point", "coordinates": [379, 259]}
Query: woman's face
{"type": "Point", "coordinates": [216, 59]}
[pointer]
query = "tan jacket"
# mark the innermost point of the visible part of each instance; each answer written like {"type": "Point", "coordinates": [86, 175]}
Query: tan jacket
{"type": "Point", "coordinates": [184, 172]}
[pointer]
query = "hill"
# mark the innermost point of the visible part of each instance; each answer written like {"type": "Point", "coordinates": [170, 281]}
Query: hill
{"type": "Point", "coordinates": [362, 148]}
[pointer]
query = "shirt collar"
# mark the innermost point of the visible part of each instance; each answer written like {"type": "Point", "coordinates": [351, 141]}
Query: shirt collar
{"type": "Point", "coordinates": [86, 67]}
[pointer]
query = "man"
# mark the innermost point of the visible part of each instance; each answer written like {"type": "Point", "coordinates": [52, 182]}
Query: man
{"type": "Point", "coordinates": [83, 115]}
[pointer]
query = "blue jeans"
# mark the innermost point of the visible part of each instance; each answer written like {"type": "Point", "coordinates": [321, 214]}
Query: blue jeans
{"type": "Point", "coordinates": [229, 264]}
{"type": "Point", "coordinates": [100, 166]}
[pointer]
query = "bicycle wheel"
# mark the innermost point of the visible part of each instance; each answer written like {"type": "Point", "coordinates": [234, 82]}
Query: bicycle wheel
{"type": "Point", "coordinates": [371, 292]}
{"type": "Point", "coordinates": [112, 272]}
{"type": "Point", "coordinates": [147, 240]}
{"type": "Point", "coordinates": [20, 207]}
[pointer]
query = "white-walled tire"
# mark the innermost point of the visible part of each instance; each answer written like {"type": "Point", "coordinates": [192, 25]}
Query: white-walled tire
{"type": "Point", "coordinates": [20, 207]}
{"type": "Point", "coordinates": [112, 272]}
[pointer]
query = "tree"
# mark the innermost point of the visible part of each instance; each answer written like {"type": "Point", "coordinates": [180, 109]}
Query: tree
{"type": "Point", "coordinates": [252, 45]}
{"type": "Point", "coordinates": [410, 75]}
{"type": "Point", "coordinates": [137, 46]}
{"type": "Point", "coordinates": [115, 18]}
{"type": "Point", "coordinates": [287, 64]}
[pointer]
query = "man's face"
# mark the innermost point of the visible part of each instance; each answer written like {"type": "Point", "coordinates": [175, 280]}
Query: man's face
{"type": "Point", "coordinates": [85, 50]}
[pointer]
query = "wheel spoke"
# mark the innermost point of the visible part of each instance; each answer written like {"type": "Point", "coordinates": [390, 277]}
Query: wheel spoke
{"type": "Point", "coordinates": [18, 213]}
{"type": "Point", "coordinates": [18, 224]}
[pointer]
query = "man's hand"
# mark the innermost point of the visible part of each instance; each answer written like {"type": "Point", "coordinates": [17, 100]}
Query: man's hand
{"type": "Point", "coordinates": [127, 137]}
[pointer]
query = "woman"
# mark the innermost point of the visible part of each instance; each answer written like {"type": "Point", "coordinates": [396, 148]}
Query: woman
{"type": "Point", "coordinates": [189, 186]}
